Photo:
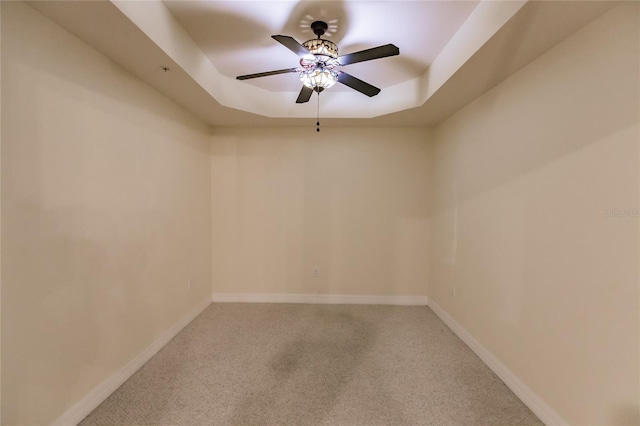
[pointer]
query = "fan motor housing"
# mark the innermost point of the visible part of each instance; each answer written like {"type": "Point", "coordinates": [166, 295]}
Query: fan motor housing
{"type": "Point", "coordinates": [322, 47]}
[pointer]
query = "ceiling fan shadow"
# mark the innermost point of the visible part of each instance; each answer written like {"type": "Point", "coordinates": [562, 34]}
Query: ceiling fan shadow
{"type": "Point", "coordinates": [407, 68]}
{"type": "Point", "coordinates": [334, 13]}
{"type": "Point", "coordinates": [217, 31]}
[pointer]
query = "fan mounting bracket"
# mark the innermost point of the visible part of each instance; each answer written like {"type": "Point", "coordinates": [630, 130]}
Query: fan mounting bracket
{"type": "Point", "coordinates": [319, 27]}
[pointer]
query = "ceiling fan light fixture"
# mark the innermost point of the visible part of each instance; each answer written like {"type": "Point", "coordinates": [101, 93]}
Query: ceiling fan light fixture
{"type": "Point", "coordinates": [318, 78]}
{"type": "Point", "coordinates": [319, 64]}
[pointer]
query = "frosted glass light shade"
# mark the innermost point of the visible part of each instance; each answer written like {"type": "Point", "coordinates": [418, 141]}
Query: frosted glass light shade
{"type": "Point", "coordinates": [318, 77]}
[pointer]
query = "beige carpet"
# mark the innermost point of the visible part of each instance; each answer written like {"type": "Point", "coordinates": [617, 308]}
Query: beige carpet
{"type": "Point", "coordinates": [283, 364]}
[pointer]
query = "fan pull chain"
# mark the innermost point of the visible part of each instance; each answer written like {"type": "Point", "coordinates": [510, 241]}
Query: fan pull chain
{"type": "Point", "coordinates": [318, 115]}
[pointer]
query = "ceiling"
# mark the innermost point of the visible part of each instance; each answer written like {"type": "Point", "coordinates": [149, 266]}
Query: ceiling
{"type": "Point", "coordinates": [450, 52]}
{"type": "Point", "coordinates": [235, 36]}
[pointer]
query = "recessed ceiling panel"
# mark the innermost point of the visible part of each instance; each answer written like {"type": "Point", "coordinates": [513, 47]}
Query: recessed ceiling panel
{"type": "Point", "coordinates": [236, 35]}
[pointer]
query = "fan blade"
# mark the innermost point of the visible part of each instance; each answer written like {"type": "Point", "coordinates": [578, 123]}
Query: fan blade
{"type": "Point", "coordinates": [265, 74]}
{"type": "Point", "coordinates": [357, 84]}
{"type": "Point", "coordinates": [369, 54]}
{"type": "Point", "coordinates": [305, 95]}
{"type": "Point", "coordinates": [291, 44]}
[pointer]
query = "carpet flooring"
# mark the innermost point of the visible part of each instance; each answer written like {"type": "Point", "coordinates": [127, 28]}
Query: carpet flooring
{"type": "Point", "coordinates": [291, 364]}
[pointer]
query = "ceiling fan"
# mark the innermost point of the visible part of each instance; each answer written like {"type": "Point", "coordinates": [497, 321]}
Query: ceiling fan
{"type": "Point", "coordinates": [319, 62]}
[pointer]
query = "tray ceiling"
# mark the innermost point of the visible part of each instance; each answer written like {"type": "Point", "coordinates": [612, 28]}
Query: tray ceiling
{"type": "Point", "coordinates": [450, 52]}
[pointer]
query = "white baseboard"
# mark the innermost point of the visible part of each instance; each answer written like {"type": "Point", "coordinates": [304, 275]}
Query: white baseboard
{"type": "Point", "coordinates": [332, 299]}
{"type": "Point", "coordinates": [522, 391]}
{"type": "Point", "coordinates": [86, 405]}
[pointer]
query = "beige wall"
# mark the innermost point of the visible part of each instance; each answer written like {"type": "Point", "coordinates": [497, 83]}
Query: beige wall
{"type": "Point", "coordinates": [105, 216]}
{"type": "Point", "coordinates": [0, 217]}
{"type": "Point", "coordinates": [524, 175]}
{"type": "Point", "coordinates": [352, 202]}
{"type": "Point", "coordinates": [113, 199]}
